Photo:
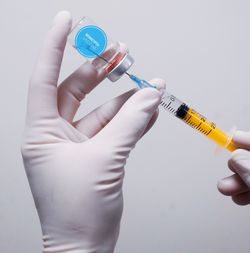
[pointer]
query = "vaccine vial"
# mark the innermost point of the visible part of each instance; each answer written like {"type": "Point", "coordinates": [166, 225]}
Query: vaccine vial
{"type": "Point", "coordinates": [99, 49]}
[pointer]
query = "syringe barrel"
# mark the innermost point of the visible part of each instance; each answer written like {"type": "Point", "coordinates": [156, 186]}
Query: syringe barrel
{"type": "Point", "coordinates": [197, 121]}
{"type": "Point", "coordinates": [190, 117]}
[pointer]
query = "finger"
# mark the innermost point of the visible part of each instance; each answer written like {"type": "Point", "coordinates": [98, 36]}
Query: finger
{"type": "Point", "coordinates": [232, 185]}
{"type": "Point", "coordinates": [92, 123]}
{"type": "Point", "coordinates": [242, 199]}
{"type": "Point", "coordinates": [242, 139]}
{"type": "Point", "coordinates": [129, 124]}
{"type": "Point", "coordinates": [151, 122]}
{"type": "Point", "coordinates": [80, 83]}
{"type": "Point", "coordinates": [42, 101]}
{"type": "Point", "coordinates": [75, 88]}
{"type": "Point", "coordinates": [161, 87]}
{"type": "Point", "coordinates": [240, 164]}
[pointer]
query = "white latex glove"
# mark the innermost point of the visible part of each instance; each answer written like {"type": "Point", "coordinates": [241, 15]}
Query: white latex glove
{"type": "Point", "coordinates": [76, 169]}
{"type": "Point", "coordinates": [238, 185]}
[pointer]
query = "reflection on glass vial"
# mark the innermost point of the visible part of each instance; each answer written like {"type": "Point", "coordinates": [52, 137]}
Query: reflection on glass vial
{"type": "Point", "coordinates": [98, 48]}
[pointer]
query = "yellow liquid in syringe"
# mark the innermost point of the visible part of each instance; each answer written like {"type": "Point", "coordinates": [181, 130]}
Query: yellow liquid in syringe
{"type": "Point", "coordinates": [209, 129]}
{"type": "Point", "coordinates": [198, 122]}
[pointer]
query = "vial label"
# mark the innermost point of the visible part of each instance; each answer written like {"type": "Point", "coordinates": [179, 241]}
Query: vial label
{"type": "Point", "coordinates": [91, 41]}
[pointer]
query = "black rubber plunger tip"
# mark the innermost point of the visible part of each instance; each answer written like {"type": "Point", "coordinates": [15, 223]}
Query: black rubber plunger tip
{"type": "Point", "coordinates": [182, 111]}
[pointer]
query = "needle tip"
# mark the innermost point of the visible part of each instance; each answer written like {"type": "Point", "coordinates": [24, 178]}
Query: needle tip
{"type": "Point", "coordinates": [127, 74]}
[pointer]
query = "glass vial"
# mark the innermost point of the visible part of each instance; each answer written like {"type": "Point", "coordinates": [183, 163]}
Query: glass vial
{"type": "Point", "coordinates": [99, 49]}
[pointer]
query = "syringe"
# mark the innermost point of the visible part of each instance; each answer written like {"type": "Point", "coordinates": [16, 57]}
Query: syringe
{"type": "Point", "coordinates": [191, 117]}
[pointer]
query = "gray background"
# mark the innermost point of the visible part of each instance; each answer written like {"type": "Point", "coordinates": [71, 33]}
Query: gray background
{"type": "Point", "coordinates": [171, 202]}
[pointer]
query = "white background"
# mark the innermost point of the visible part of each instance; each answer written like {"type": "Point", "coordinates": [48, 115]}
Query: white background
{"type": "Point", "coordinates": [171, 202]}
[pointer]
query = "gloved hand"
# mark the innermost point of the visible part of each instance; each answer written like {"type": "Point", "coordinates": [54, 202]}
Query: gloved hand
{"type": "Point", "coordinates": [238, 185]}
{"type": "Point", "coordinates": [76, 169]}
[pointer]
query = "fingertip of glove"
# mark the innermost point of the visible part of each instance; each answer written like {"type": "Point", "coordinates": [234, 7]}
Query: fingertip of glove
{"type": "Point", "coordinates": [224, 185]}
{"type": "Point", "coordinates": [222, 182]}
{"type": "Point", "coordinates": [238, 155]}
{"type": "Point", "coordinates": [238, 134]}
{"type": "Point", "coordinates": [150, 95]}
{"type": "Point", "coordinates": [241, 199]}
{"type": "Point", "coordinates": [63, 17]}
{"type": "Point", "coordinates": [160, 85]}
{"type": "Point", "coordinates": [220, 185]}
{"type": "Point", "coordinates": [242, 137]}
